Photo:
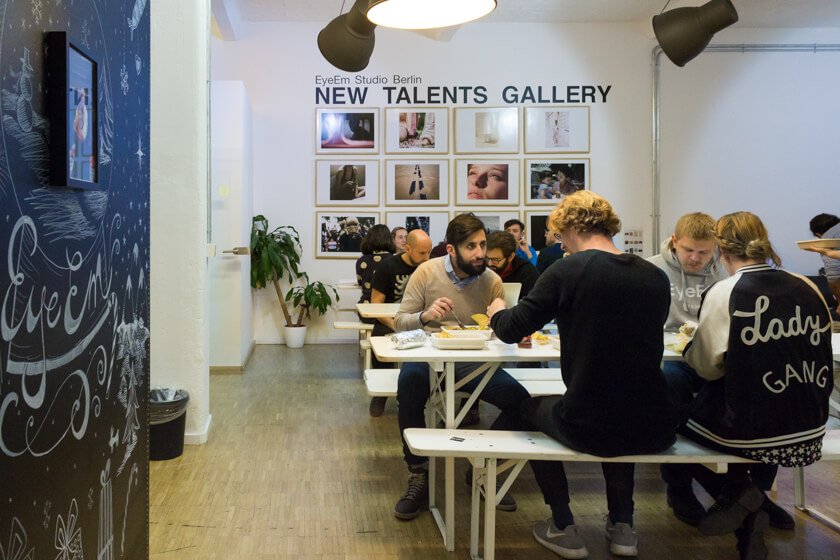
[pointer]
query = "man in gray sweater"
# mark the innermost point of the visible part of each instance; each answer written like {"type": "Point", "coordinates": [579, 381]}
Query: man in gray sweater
{"type": "Point", "coordinates": [443, 290]}
{"type": "Point", "coordinates": [691, 262]}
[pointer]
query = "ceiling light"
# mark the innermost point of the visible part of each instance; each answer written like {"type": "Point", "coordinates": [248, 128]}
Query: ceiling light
{"type": "Point", "coordinates": [427, 14]}
{"type": "Point", "coordinates": [683, 33]}
{"type": "Point", "coordinates": [347, 41]}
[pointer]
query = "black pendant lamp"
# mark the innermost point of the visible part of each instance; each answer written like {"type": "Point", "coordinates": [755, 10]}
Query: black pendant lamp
{"type": "Point", "coordinates": [347, 41]}
{"type": "Point", "coordinates": [683, 33]}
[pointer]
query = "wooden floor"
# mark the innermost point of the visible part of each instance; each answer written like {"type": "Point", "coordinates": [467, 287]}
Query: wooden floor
{"type": "Point", "coordinates": [296, 468]}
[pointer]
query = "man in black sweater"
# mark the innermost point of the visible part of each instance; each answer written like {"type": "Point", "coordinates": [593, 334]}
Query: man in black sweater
{"type": "Point", "coordinates": [501, 257]}
{"type": "Point", "coordinates": [610, 308]}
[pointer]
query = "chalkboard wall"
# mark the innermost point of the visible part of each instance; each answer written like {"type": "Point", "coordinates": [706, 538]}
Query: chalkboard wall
{"type": "Point", "coordinates": [74, 295]}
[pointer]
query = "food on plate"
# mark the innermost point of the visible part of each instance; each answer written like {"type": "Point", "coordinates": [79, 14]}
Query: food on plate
{"type": "Point", "coordinates": [443, 334]}
{"type": "Point", "coordinates": [679, 342]}
{"type": "Point", "coordinates": [466, 328]}
{"type": "Point", "coordinates": [481, 320]}
{"type": "Point", "coordinates": [540, 338]}
{"type": "Point", "coordinates": [688, 328]}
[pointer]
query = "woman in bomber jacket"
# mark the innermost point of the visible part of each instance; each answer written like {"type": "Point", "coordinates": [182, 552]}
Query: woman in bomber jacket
{"type": "Point", "coordinates": [763, 345]}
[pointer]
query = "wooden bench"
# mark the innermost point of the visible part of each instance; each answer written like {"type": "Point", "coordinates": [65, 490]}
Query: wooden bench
{"type": "Point", "coordinates": [539, 382]}
{"type": "Point", "coordinates": [485, 449]}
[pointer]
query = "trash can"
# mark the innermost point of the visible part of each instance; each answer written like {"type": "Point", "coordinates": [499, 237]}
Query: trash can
{"type": "Point", "coordinates": [167, 419]}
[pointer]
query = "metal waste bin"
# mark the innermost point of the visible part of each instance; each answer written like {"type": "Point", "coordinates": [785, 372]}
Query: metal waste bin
{"type": "Point", "coordinates": [167, 419]}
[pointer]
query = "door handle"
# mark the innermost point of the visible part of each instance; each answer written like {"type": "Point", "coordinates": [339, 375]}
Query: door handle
{"type": "Point", "coordinates": [238, 251]}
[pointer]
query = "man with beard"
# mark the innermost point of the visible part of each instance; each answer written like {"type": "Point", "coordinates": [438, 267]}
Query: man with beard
{"type": "Point", "coordinates": [388, 286]}
{"type": "Point", "coordinates": [443, 290]}
{"type": "Point", "coordinates": [502, 259]}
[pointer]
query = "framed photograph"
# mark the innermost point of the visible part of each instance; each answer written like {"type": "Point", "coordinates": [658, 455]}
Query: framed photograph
{"type": "Point", "coordinates": [494, 220]}
{"type": "Point", "coordinates": [549, 180]}
{"type": "Point", "coordinates": [480, 182]}
{"type": "Point", "coordinates": [417, 182]}
{"type": "Point", "coordinates": [492, 130]}
{"type": "Point", "coordinates": [416, 130]}
{"type": "Point", "coordinates": [347, 131]}
{"type": "Point", "coordinates": [433, 223]}
{"type": "Point", "coordinates": [339, 234]}
{"type": "Point", "coordinates": [535, 228]}
{"type": "Point", "coordinates": [73, 112]}
{"type": "Point", "coordinates": [561, 129]}
{"type": "Point", "coordinates": [347, 183]}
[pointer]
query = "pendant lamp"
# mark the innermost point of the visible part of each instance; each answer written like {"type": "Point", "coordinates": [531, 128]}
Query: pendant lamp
{"type": "Point", "coordinates": [427, 14]}
{"type": "Point", "coordinates": [347, 41]}
{"type": "Point", "coordinates": [683, 33]}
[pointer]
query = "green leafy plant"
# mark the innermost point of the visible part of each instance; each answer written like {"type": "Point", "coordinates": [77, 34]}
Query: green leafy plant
{"type": "Point", "coordinates": [275, 256]}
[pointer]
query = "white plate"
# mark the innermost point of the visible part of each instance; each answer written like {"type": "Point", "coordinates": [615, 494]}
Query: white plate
{"type": "Point", "coordinates": [458, 332]}
{"type": "Point", "coordinates": [459, 343]}
{"type": "Point", "coordinates": [820, 243]}
{"type": "Point", "coordinates": [555, 342]}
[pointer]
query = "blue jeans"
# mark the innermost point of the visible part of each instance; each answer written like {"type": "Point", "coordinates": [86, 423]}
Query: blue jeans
{"type": "Point", "coordinates": [502, 391]}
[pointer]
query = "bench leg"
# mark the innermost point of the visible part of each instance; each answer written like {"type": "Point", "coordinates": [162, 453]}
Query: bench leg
{"type": "Point", "coordinates": [490, 511]}
{"type": "Point", "coordinates": [799, 501]}
{"type": "Point", "coordinates": [478, 466]}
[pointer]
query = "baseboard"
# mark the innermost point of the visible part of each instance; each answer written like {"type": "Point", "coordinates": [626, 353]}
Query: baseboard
{"type": "Point", "coordinates": [223, 370]}
{"type": "Point", "coordinates": [200, 437]}
{"type": "Point", "coordinates": [277, 340]}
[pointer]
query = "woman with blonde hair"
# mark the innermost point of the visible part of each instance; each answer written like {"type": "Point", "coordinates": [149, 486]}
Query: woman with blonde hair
{"type": "Point", "coordinates": [610, 309]}
{"type": "Point", "coordinates": [763, 345]}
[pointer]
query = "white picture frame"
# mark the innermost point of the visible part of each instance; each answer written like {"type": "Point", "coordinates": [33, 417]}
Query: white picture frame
{"type": "Point", "coordinates": [416, 130]}
{"type": "Point", "coordinates": [417, 182]}
{"type": "Point", "coordinates": [547, 180]}
{"type": "Point", "coordinates": [475, 184]}
{"type": "Point", "coordinates": [488, 130]}
{"type": "Point", "coordinates": [330, 225]}
{"type": "Point", "coordinates": [433, 222]}
{"type": "Point", "coordinates": [347, 182]}
{"type": "Point", "coordinates": [557, 129]}
{"type": "Point", "coordinates": [344, 130]}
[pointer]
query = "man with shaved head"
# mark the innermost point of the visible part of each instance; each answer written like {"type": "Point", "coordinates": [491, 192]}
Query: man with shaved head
{"type": "Point", "coordinates": [388, 284]}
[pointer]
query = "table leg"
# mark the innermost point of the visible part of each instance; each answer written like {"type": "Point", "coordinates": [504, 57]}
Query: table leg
{"type": "Point", "coordinates": [449, 476]}
{"type": "Point", "coordinates": [799, 501]}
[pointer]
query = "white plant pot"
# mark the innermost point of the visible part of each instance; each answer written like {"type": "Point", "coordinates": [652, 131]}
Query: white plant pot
{"type": "Point", "coordinates": [295, 336]}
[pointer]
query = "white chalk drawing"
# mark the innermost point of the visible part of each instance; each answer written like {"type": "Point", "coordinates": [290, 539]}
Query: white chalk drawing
{"type": "Point", "coordinates": [47, 514]}
{"type": "Point", "coordinates": [134, 20]}
{"type": "Point", "coordinates": [106, 116]}
{"type": "Point", "coordinates": [132, 478]}
{"type": "Point", "coordinates": [24, 124]}
{"type": "Point", "coordinates": [139, 153]}
{"type": "Point", "coordinates": [68, 537]}
{"type": "Point", "coordinates": [69, 215]}
{"type": "Point", "coordinates": [85, 34]}
{"type": "Point", "coordinates": [138, 63]}
{"type": "Point", "coordinates": [124, 80]}
{"type": "Point", "coordinates": [131, 352]}
{"type": "Point", "coordinates": [16, 549]}
{"type": "Point", "coordinates": [37, 10]}
{"type": "Point", "coordinates": [106, 515]}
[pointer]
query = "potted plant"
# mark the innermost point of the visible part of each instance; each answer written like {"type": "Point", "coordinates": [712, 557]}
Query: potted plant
{"type": "Point", "coordinates": [275, 256]}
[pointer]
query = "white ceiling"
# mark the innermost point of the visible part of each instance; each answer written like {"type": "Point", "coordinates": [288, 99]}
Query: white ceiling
{"type": "Point", "coordinates": [752, 13]}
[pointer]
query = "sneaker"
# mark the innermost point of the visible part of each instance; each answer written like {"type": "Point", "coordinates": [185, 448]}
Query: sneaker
{"type": "Point", "coordinates": [566, 543]}
{"type": "Point", "coordinates": [416, 498]}
{"type": "Point", "coordinates": [622, 538]}
{"type": "Point", "coordinates": [751, 536]}
{"type": "Point", "coordinates": [727, 514]}
{"type": "Point", "coordinates": [507, 503]}
{"type": "Point", "coordinates": [779, 518]}
{"type": "Point", "coordinates": [687, 508]}
{"type": "Point", "coordinates": [377, 406]}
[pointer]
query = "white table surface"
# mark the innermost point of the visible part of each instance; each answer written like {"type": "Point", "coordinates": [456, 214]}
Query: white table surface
{"type": "Point", "coordinates": [377, 310]}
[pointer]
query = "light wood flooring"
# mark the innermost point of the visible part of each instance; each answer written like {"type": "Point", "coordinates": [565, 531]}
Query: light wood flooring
{"type": "Point", "coordinates": [296, 468]}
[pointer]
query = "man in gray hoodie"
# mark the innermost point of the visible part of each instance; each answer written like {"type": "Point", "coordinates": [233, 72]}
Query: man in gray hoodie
{"type": "Point", "coordinates": [691, 262]}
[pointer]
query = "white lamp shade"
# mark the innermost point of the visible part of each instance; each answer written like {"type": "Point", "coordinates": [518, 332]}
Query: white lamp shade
{"type": "Point", "coordinates": [427, 14]}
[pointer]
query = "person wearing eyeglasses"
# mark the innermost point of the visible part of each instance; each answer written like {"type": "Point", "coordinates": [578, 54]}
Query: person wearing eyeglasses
{"type": "Point", "coordinates": [502, 259]}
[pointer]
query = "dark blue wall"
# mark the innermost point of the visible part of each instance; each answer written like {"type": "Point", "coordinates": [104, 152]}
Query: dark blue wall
{"type": "Point", "coordinates": [74, 296]}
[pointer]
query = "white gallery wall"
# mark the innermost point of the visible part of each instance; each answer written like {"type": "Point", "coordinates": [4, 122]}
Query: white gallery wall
{"type": "Point", "coordinates": [280, 63]}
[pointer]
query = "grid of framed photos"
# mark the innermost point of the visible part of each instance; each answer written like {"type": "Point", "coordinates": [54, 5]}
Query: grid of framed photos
{"type": "Point", "coordinates": [445, 161]}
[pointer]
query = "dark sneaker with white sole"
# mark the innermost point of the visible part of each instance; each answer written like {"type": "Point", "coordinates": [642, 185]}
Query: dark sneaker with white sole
{"type": "Point", "coordinates": [566, 543]}
{"type": "Point", "coordinates": [622, 538]}
{"type": "Point", "coordinates": [416, 498]}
